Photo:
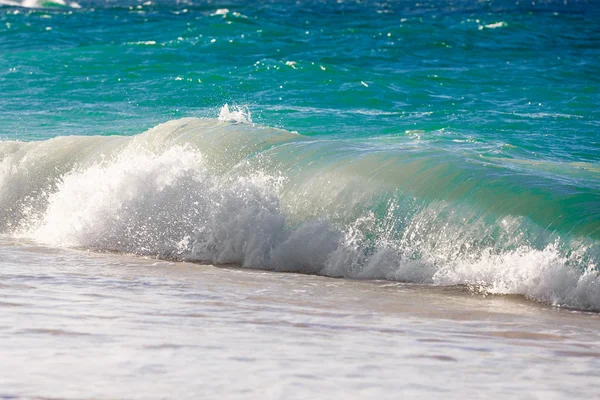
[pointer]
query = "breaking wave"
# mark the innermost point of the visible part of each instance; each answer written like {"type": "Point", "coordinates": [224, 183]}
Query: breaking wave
{"type": "Point", "coordinates": [221, 192]}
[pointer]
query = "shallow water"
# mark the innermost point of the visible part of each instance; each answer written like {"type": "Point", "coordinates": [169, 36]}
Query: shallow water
{"type": "Point", "coordinates": [76, 324]}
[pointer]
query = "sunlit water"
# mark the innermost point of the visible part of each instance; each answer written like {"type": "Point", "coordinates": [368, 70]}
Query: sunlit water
{"type": "Point", "coordinates": [403, 199]}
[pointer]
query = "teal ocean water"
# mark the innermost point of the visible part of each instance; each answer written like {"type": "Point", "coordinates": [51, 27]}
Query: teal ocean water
{"type": "Point", "coordinates": [440, 142]}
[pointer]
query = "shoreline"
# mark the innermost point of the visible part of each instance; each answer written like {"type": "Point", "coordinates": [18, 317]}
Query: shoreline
{"type": "Point", "coordinates": [148, 326]}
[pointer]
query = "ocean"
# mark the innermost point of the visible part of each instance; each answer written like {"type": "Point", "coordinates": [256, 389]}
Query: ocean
{"type": "Point", "coordinates": [299, 199]}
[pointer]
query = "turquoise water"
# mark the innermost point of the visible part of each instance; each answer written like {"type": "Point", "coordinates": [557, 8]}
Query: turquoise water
{"type": "Point", "coordinates": [447, 142]}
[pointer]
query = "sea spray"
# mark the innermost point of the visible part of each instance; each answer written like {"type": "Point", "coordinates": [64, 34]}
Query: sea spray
{"type": "Point", "coordinates": [238, 114]}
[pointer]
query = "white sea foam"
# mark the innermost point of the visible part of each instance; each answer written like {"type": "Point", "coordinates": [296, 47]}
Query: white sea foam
{"type": "Point", "coordinates": [220, 11]}
{"type": "Point", "coordinates": [495, 25]}
{"type": "Point", "coordinates": [145, 43]}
